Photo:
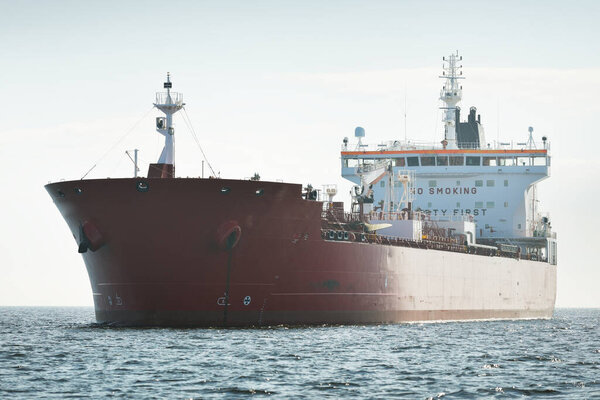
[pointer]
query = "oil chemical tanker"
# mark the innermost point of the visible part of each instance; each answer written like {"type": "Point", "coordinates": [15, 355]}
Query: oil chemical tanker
{"type": "Point", "coordinates": [436, 231]}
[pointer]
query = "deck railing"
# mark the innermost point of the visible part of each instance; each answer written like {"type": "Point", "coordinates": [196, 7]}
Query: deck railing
{"type": "Point", "coordinates": [169, 98]}
{"type": "Point", "coordinates": [398, 145]}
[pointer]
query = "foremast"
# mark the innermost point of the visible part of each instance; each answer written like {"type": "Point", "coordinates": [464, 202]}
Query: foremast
{"type": "Point", "coordinates": [451, 94]}
{"type": "Point", "coordinates": [169, 103]}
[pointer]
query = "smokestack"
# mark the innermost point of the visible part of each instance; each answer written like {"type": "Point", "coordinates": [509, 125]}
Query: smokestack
{"type": "Point", "coordinates": [472, 113]}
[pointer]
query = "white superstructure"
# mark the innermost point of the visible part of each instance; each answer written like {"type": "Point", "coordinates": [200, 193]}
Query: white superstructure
{"type": "Point", "coordinates": [464, 177]}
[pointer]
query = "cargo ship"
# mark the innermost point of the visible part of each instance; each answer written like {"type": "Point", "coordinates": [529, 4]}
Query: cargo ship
{"type": "Point", "coordinates": [442, 231]}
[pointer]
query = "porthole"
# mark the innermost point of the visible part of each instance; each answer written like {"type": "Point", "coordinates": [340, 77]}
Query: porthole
{"type": "Point", "coordinates": [259, 192]}
{"type": "Point", "coordinates": [142, 186]}
{"type": "Point", "coordinates": [225, 189]}
{"type": "Point", "coordinates": [77, 190]}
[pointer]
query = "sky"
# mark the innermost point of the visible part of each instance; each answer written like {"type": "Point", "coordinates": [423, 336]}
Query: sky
{"type": "Point", "coordinates": [273, 87]}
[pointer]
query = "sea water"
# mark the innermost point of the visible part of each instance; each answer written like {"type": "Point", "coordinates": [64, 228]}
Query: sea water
{"type": "Point", "coordinates": [61, 353]}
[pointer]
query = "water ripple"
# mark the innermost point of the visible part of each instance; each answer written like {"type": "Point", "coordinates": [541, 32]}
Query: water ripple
{"type": "Point", "coordinates": [61, 353]}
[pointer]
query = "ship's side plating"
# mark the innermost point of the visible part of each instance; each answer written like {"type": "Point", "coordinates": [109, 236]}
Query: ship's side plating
{"type": "Point", "coordinates": [174, 267]}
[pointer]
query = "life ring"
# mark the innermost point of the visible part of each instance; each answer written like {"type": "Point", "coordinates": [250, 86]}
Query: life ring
{"type": "Point", "coordinates": [345, 235]}
{"type": "Point", "coordinates": [363, 238]}
{"type": "Point", "coordinates": [228, 235]}
{"type": "Point", "coordinates": [340, 235]}
{"type": "Point", "coordinates": [331, 235]}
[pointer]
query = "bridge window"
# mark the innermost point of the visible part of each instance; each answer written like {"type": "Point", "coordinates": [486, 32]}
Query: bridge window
{"type": "Point", "coordinates": [473, 160]}
{"type": "Point", "coordinates": [490, 182]}
{"type": "Point", "coordinates": [458, 204]}
{"type": "Point", "coordinates": [351, 162]}
{"type": "Point", "coordinates": [490, 161]}
{"type": "Point", "coordinates": [427, 161]}
{"type": "Point", "coordinates": [382, 184]}
{"type": "Point", "coordinates": [399, 162]}
{"type": "Point", "coordinates": [432, 183]}
{"type": "Point", "coordinates": [490, 204]}
{"type": "Point", "coordinates": [479, 183]}
{"type": "Point", "coordinates": [442, 160]}
{"type": "Point", "coordinates": [522, 161]}
{"type": "Point", "coordinates": [412, 161]}
{"type": "Point", "coordinates": [538, 161]}
{"type": "Point", "coordinates": [456, 160]}
{"type": "Point", "coordinates": [506, 182]}
{"type": "Point", "coordinates": [506, 204]}
{"type": "Point", "coordinates": [457, 183]}
{"type": "Point", "coordinates": [506, 161]}
{"type": "Point", "coordinates": [479, 204]}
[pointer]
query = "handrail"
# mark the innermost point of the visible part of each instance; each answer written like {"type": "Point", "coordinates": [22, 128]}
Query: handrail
{"type": "Point", "coordinates": [169, 98]}
{"type": "Point", "coordinates": [398, 145]}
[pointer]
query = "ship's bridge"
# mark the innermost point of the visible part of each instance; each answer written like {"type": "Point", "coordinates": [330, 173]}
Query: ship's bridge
{"type": "Point", "coordinates": [417, 155]}
{"type": "Point", "coordinates": [495, 184]}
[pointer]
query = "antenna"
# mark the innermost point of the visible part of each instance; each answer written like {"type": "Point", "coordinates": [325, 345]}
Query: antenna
{"type": "Point", "coordinates": [405, 134]}
{"type": "Point", "coordinates": [498, 122]}
{"type": "Point", "coordinates": [359, 132]}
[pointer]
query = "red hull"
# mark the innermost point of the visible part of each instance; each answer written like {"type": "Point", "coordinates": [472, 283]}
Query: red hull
{"type": "Point", "coordinates": [157, 255]}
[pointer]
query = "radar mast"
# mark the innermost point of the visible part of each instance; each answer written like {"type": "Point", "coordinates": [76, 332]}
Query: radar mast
{"type": "Point", "coordinates": [451, 94]}
{"type": "Point", "coordinates": [169, 103]}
